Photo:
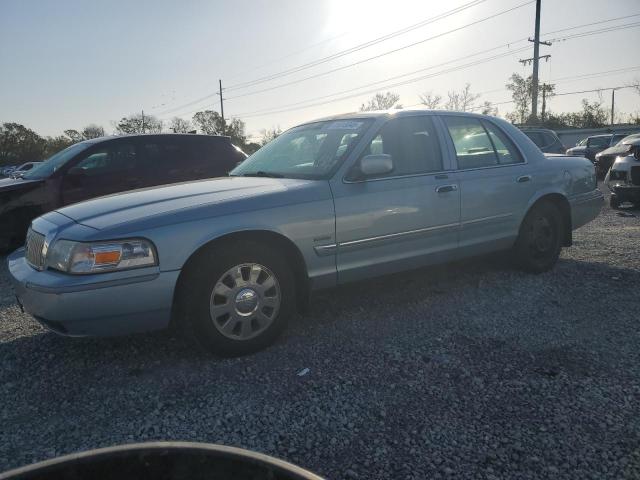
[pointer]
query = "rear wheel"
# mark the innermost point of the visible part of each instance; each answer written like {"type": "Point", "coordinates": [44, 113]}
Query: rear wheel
{"type": "Point", "coordinates": [237, 298]}
{"type": "Point", "coordinates": [540, 239]}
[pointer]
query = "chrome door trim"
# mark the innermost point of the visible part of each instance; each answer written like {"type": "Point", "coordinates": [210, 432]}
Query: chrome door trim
{"type": "Point", "coordinates": [324, 250]}
{"type": "Point", "coordinates": [487, 219]}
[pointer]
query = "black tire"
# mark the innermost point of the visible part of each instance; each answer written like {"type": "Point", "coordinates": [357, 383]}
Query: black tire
{"type": "Point", "coordinates": [614, 202]}
{"type": "Point", "coordinates": [197, 291]}
{"type": "Point", "coordinates": [540, 239]}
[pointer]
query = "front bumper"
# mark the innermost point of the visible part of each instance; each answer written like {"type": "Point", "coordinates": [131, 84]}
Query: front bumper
{"type": "Point", "coordinates": [99, 305]}
{"type": "Point", "coordinates": [626, 193]}
{"type": "Point", "coordinates": [585, 207]}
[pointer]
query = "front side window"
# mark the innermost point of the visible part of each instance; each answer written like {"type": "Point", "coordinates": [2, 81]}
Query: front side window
{"type": "Point", "coordinates": [309, 151]}
{"type": "Point", "coordinates": [55, 162]}
{"type": "Point", "coordinates": [412, 144]}
{"type": "Point", "coordinates": [118, 158]}
{"type": "Point", "coordinates": [598, 142]}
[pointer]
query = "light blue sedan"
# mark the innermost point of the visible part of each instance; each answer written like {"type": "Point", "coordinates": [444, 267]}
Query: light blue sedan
{"type": "Point", "coordinates": [327, 202]}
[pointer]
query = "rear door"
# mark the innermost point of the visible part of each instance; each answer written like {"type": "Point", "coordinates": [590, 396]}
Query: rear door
{"type": "Point", "coordinates": [495, 183]}
{"type": "Point", "coordinates": [107, 168]}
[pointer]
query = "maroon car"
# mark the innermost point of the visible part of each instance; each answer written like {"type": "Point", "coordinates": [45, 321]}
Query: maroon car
{"type": "Point", "coordinates": [107, 165]}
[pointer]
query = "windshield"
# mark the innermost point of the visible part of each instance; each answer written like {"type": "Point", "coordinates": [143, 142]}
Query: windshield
{"type": "Point", "coordinates": [53, 163]}
{"type": "Point", "coordinates": [309, 151]}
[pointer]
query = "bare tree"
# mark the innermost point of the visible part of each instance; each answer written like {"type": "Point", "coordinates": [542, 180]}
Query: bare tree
{"type": "Point", "coordinates": [521, 89]}
{"type": "Point", "coordinates": [180, 125]}
{"type": "Point", "coordinates": [430, 100]}
{"type": "Point", "coordinates": [269, 134]}
{"type": "Point", "coordinates": [382, 101]}
{"type": "Point", "coordinates": [487, 108]}
{"type": "Point", "coordinates": [635, 84]}
{"type": "Point", "coordinates": [463, 100]}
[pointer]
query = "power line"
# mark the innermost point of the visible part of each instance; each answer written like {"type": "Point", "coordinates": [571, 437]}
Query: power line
{"type": "Point", "coordinates": [398, 84]}
{"type": "Point", "coordinates": [211, 95]}
{"type": "Point", "coordinates": [389, 52]}
{"type": "Point", "coordinates": [582, 34]}
{"type": "Point", "coordinates": [356, 48]}
{"type": "Point", "coordinates": [403, 75]}
{"type": "Point", "coordinates": [598, 31]}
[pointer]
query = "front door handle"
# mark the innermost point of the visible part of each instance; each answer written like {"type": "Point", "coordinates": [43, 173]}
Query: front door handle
{"type": "Point", "coordinates": [446, 188]}
{"type": "Point", "coordinates": [523, 178]}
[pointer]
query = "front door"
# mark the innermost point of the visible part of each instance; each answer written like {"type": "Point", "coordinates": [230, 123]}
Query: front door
{"type": "Point", "coordinates": [105, 169]}
{"type": "Point", "coordinates": [403, 219]}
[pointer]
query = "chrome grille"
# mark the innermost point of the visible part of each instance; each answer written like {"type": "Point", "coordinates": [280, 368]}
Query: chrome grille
{"type": "Point", "coordinates": [34, 246]}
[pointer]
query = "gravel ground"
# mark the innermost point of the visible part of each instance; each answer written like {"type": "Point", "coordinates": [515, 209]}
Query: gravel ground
{"type": "Point", "coordinates": [472, 370]}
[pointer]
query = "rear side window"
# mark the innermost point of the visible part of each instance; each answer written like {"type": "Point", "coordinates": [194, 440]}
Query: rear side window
{"type": "Point", "coordinates": [166, 155]}
{"type": "Point", "coordinates": [504, 147]}
{"type": "Point", "coordinates": [472, 143]}
{"type": "Point", "coordinates": [480, 144]}
{"type": "Point", "coordinates": [412, 144]}
{"type": "Point", "coordinates": [538, 138]}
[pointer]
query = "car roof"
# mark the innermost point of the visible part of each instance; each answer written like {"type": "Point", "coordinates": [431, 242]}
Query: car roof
{"type": "Point", "coordinates": [394, 112]}
{"type": "Point", "coordinates": [154, 135]}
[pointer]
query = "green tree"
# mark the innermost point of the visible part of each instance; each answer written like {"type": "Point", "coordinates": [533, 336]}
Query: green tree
{"type": "Point", "coordinates": [209, 122]}
{"type": "Point", "coordinates": [55, 144]}
{"type": "Point", "coordinates": [74, 135]}
{"type": "Point", "coordinates": [521, 91]}
{"type": "Point", "coordinates": [236, 130]}
{"type": "Point", "coordinates": [92, 131]}
{"type": "Point", "coordinates": [136, 123]}
{"type": "Point", "coordinates": [382, 101]}
{"type": "Point", "coordinates": [19, 144]}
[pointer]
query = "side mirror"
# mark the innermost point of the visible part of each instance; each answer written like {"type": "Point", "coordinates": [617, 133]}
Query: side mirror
{"type": "Point", "coordinates": [76, 172]}
{"type": "Point", "coordinates": [373, 165]}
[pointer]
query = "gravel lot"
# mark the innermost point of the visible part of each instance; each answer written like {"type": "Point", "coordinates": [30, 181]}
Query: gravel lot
{"type": "Point", "coordinates": [471, 370]}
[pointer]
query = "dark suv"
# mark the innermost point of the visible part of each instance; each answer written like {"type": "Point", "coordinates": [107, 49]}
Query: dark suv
{"type": "Point", "coordinates": [595, 144]}
{"type": "Point", "coordinates": [546, 140]}
{"type": "Point", "coordinates": [109, 165]}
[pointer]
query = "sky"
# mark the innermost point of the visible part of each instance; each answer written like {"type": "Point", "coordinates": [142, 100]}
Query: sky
{"type": "Point", "coordinates": [69, 63]}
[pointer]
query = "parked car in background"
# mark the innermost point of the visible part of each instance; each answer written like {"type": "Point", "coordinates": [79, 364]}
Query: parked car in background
{"type": "Point", "coordinates": [325, 203]}
{"type": "Point", "coordinates": [109, 165]}
{"type": "Point", "coordinates": [7, 169]}
{"type": "Point", "coordinates": [22, 169]}
{"type": "Point", "coordinates": [545, 139]}
{"type": "Point", "coordinates": [623, 178]}
{"type": "Point", "coordinates": [605, 159]}
{"type": "Point", "coordinates": [595, 144]}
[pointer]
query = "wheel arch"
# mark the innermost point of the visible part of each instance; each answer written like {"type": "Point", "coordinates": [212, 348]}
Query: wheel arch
{"type": "Point", "coordinates": [268, 237]}
{"type": "Point", "coordinates": [562, 204]}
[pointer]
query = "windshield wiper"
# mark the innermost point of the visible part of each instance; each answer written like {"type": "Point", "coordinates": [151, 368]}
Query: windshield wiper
{"type": "Point", "coordinates": [261, 173]}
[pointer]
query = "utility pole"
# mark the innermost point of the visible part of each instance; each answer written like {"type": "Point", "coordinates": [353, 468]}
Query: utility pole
{"type": "Point", "coordinates": [222, 107]}
{"type": "Point", "coordinates": [536, 60]}
{"type": "Point", "coordinates": [613, 103]}
{"type": "Point", "coordinates": [143, 121]}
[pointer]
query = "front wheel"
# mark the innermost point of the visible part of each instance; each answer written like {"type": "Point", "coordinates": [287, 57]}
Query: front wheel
{"type": "Point", "coordinates": [237, 298]}
{"type": "Point", "coordinates": [540, 239]}
{"type": "Point", "coordinates": [614, 201]}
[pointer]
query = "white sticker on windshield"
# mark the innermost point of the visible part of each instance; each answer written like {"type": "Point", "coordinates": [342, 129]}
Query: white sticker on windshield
{"type": "Point", "coordinates": [345, 125]}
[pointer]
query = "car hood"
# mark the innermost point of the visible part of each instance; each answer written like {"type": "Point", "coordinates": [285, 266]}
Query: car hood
{"type": "Point", "coordinates": [183, 201]}
{"type": "Point", "coordinates": [615, 150]}
{"type": "Point", "coordinates": [580, 149]}
{"type": "Point", "coordinates": [9, 184]}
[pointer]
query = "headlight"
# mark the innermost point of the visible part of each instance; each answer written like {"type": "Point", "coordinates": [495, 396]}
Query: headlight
{"type": "Point", "coordinates": [78, 257]}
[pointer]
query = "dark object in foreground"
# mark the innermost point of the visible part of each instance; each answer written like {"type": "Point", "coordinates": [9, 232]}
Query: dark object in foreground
{"type": "Point", "coordinates": [163, 461]}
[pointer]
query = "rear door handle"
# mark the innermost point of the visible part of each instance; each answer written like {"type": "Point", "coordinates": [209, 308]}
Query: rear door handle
{"type": "Point", "coordinates": [446, 188]}
{"type": "Point", "coordinates": [523, 178]}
